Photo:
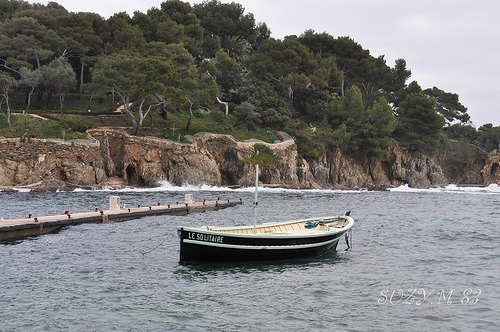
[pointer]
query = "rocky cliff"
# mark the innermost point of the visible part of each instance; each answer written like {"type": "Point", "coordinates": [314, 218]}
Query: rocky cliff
{"type": "Point", "coordinates": [113, 158]}
{"type": "Point", "coordinates": [469, 165]}
{"type": "Point", "coordinates": [50, 163]}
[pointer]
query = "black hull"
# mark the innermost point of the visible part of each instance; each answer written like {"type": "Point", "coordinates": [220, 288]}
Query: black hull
{"type": "Point", "coordinates": [197, 248]}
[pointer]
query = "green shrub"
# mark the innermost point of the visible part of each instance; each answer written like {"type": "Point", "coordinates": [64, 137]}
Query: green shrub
{"type": "Point", "coordinates": [77, 124]}
{"type": "Point", "coordinates": [308, 144]}
{"type": "Point", "coordinates": [217, 116]}
{"type": "Point", "coordinates": [263, 156]}
{"type": "Point", "coordinates": [300, 160]}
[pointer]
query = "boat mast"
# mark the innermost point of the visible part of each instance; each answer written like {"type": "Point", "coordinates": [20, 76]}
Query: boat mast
{"type": "Point", "coordinates": [255, 203]}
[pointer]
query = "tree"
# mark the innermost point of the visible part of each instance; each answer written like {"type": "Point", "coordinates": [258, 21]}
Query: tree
{"type": "Point", "coordinates": [319, 43]}
{"type": "Point", "coordinates": [174, 23]}
{"type": "Point", "coordinates": [245, 112]}
{"type": "Point", "coordinates": [132, 76]}
{"type": "Point", "coordinates": [458, 131]}
{"type": "Point", "coordinates": [7, 84]}
{"type": "Point", "coordinates": [489, 137]}
{"type": "Point", "coordinates": [81, 40]}
{"type": "Point", "coordinates": [327, 76]}
{"type": "Point", "coordinates": [59, 76]}
{"type": "Point", "coordinates": [356, 65]}
{"type": "Point", "coordinates": [419, 126]}
{"type": "Point", "coordinates": [220, 69]}
{"type": "Point", "coordinates": [401, 95]}
{"type": "Point", "coordinates": [24, 42]}
{"type": "Point", "coordinates": [192, 32]}
{"type": "Point", "coordinates": [278, 59]}
{"type": "Point", "coordinates": [236, 47]}
{"type": "Point", "coordinates": [221, 21]}
{"type": "Point", "coordinates": [308, 145]}
{"type": "Point", "coordinates": [263, 33]}
{"type": "Point", "coordinates": [223, 63]}
{"type": "Point", "coordinates": [353, 61]}
{"type": "Point", "coordinates": [46, 15]}
{"type": "Point", "coordinates": [184, 66]}
{"type": "Point", "coordinates": [199, 91]}
{"type": "Point", "coordinates": [268, 103]}
{"type": "Point", "coordinates": [177, 54]}
{"type": "Point", "coordinates": [223, 70]}
{"type": "Point", "coordinates": [349, 110]}
{"type": "Point", "coordinates": [291, 67]}
{"type": "Point", "coordinates": [124, 35]}
{"type": "Point", "coordinates": [448, 106]}
{"type": "Point", "coordinates": [31, 79]}
{"type": "Point", "coordinates": [363, 132]}
{"type": "Point", "coordinates": [380, 124]}
{"type": "Point", "coordinates": [311, 101]}
{"type": "Point", "coordinates": [9, 7]}
{"type": "Point", "coordinates": [396, 82]}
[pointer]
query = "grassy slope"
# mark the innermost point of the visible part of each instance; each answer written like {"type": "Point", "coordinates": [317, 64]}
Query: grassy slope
{"type": "Point", "coordinates": [77, 119]}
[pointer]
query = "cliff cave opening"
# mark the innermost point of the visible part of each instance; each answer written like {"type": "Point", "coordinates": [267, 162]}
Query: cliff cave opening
{"type": "Point", "coordinates": [133, 178]}
{"type": "Point", "coordinates": [494, 169]}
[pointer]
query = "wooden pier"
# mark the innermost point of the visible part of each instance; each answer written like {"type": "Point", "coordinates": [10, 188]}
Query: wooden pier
{"type": "Point", "coordinates": [38, 225]}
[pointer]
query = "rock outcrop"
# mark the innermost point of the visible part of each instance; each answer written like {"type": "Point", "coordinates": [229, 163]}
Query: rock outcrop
{"type": "Point", "coordinates": [51, 163]}
{"type": "Point", "coordinates": [469, 165]}
{"type": "Point", "coordinates": [211, 159]}
{"type": "Point", "coordinates": [113, 158]}
{"type": "Point", "coordinates": [400, 167]}
{"type": "Point", "coordinates": [491, 171]}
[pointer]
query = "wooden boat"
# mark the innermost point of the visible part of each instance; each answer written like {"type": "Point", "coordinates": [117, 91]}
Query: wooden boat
{"type": "Point", "coordinates": [275, 241]}
{"type": "Point", "coordinates": [271, 242]}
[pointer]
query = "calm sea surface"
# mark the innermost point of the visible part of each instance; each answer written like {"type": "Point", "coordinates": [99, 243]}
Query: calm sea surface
{"type": "Point", "coordinates": [421, 260]}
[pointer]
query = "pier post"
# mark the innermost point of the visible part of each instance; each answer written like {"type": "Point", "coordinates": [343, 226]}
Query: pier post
{"type": "Point", "coordinates": [188, 199]}
{"type": "Point", "coordinates": [114, 203]}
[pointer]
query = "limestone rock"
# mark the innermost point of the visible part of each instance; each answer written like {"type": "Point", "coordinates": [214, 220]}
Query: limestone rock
{"type": "Point", "coordinates": [49, 163]}
{"type": "Point", "coordinates": [114, 159]}
{"type": "Point", "coordinates": [491, 171]}
{"type": "Point", "coordinates": [465, 164]}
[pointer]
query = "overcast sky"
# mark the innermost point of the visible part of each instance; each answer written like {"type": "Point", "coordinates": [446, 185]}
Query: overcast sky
{"type": "Point", "coordinates": [453, 45]}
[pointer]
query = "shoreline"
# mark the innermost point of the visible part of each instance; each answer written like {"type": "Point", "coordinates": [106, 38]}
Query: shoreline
{"type": "Point", "coordinates": [142, 162]}
{"type": "Point", "coordinates": [62, 186]}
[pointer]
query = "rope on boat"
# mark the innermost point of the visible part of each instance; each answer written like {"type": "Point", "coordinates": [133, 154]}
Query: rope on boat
{"type": "Point", "coordinates": [313, 224]}
{"type": "Point", "coordinates": [348, 235]}
{"type": "Point", "coordinates": [150, 251]}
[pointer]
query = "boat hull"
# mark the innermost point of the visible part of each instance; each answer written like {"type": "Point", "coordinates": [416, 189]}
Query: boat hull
{"type": "Point", "coordinates": [201, 245]}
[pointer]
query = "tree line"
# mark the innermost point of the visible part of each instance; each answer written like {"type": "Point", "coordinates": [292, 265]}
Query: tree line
{"type": "Point", "coordinates": [323, 90]}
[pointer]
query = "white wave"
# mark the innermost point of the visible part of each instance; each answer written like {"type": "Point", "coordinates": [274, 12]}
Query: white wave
{"type": "Point", "coordinates": [313, 191]}
{"type": "Point", "coordinates": [452, 188]}
{"type": "Point", "coordinates": [166, 186]}
{"type": "Point", "coordinates": [80, 190]}
{"type": "Point", "coordinates": [163, 186]}
{"type": "Point", "coordinates": [22, 190]}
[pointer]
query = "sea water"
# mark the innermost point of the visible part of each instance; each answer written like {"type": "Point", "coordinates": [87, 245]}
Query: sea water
{"type": "Point", "coordinates": [420, 260]}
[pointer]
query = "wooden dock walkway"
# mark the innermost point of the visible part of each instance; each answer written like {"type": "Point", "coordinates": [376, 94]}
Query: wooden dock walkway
{"type": "Point", "coordinates": [37, 225]}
